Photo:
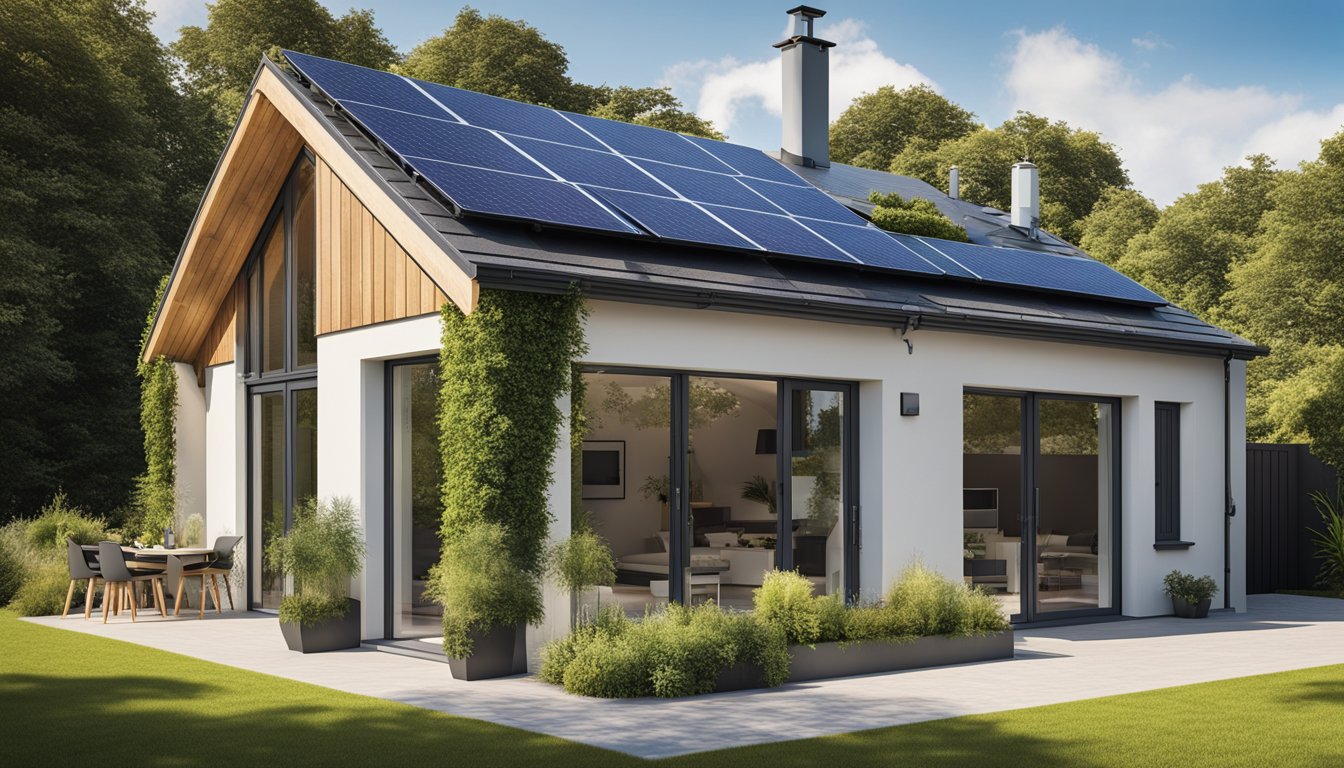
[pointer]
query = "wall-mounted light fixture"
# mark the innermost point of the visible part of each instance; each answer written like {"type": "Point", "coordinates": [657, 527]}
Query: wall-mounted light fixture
{"type": "Point", "coordinates": [909, 403]}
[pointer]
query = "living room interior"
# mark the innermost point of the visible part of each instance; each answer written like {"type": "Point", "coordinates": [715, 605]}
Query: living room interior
{"type": "Point", "coordinates": [732, 468]}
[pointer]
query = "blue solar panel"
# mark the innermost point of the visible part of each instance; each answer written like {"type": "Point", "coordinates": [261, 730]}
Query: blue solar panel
{"type": "Point", "coordinates": [748, 161]}
{"type": "Point", "coordinates": [804, 201]}
{"type": "Point", "coordinates": [672, 219]}
{"type": "Point", "coordinates": [920, 248]}
{"type": "Point", "coordinates": [706, 187]}
{"type": "Point", "coordinates": [584, 166]}
{"type": "Point", "coordinates": [507, 194]}
{"type": "Point", "coordinates": [509, 116]}
{"type": "Point", "coordinates": [779, 234]}
{"type": "Point", "coordinates": [414, 136]}
{"type": "Point", "coordinates": [873, 247]}
{"type": "Point", "coordinates": [649, 143]}
{"type": "Point", "coordinates": [346, 82]}
{"type": "Point", "coordinates": [1047, 271]}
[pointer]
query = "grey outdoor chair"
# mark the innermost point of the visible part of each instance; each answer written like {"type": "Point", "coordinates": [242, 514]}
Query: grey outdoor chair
{"type": "Point", "coordinates": [80, 570]}
{"type": "Point", "coordinates": [219, 564]}
{"type": "Point", "coordinates": [118, 581]}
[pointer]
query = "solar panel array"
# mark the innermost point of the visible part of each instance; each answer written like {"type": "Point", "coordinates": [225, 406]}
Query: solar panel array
{"type": "Point", "coordinates": [495, 157]}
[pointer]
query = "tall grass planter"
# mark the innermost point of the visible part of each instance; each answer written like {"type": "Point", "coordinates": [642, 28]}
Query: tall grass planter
{"type": "Point", "coordinates": [322, 551]}
{"type": "Point", "coordinates": [503, 370]}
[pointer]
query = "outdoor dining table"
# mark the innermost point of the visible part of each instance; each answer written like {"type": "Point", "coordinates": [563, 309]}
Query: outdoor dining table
{"type": "Point", "coordinates": [156, 559]}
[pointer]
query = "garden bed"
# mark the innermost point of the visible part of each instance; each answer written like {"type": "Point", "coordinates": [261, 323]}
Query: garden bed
{"type": "Point", "coordinates": [831, 660]}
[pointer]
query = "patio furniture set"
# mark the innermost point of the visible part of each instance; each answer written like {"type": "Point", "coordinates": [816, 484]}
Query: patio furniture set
{"type": "Point", "coordinates": [123, 570]}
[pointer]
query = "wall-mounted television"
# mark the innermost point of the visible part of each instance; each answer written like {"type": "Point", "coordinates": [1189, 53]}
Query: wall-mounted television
{"type": "Point", "coordinates": [603, 469]}
{"type": "Point", "coordinates": [980, 507]}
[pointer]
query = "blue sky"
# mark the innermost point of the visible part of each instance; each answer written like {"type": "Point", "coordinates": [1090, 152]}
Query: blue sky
{"type": "Point", "coordinates": [1182, 88]}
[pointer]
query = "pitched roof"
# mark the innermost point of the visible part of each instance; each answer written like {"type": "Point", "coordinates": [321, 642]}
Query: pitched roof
{"type": "Point", "coordinates": [512, 255]}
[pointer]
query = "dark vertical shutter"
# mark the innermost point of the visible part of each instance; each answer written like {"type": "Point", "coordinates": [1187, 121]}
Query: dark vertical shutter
{"type": "Point", "coordinates": [1167, 451]}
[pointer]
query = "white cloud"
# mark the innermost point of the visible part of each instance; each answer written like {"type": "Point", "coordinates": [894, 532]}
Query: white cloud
{"type": "Point", "coordinates": [1149, 42]}
{"type": "Point", "coordinates": [723, 90]}
{"type": "Point", "coordinates": [1172, 138]}
{"type": "Point", "coordinates": [171, 15]}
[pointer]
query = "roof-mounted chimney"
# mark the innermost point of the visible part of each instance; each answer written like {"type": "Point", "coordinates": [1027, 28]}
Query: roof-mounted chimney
{"type": "Point", "coordinates": [806, 81]}
{"type": "Point", "coordinates": [1026, 208]}
{"type": "Point", "coordinates": [954, 183]}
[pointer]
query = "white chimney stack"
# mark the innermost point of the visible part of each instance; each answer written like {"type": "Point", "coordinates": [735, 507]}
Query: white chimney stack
{"type": "Point", "coordinates": [954, 183]}
{"type": "Point", "coordinates": [1026, 208]}
{"type": "Point", "coordinates": [806, 81]}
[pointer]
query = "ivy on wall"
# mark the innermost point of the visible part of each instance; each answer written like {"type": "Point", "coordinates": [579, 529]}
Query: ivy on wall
{"type": "Point", "coordinates": [578, 432]}
{"type": "Point", "coordinates": [503, 368]}
{"type": "Point", "coordinates": [156, 489]}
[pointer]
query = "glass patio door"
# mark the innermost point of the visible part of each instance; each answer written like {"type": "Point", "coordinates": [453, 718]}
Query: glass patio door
{"type": "Point", "coordinates": [283, 475]}
{"type": "Point", "coordinates": [818, 531]}
{"type": "Point", "coordinates": [414, 506]}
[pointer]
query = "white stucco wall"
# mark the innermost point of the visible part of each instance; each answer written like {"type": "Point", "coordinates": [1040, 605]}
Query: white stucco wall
{"type": "Point", "coordinates": [190, 434]}
{"type": "Point", "coordinates": [225, 460]}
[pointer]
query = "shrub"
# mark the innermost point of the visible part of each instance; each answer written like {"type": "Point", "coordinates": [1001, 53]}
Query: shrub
{"type": "Point", "coordinates": [1187, 587]}
{"type": "Point", "coordinates": [1329, 539]}
{"type": "Point", "coordinates": [873, 622]}
{"type": "Point", "coordinates": [785, 601]}
{"type": "Point", "coordinates": [480, 587]}
{"type": "Point", "coordinates": [924, 603]}
{"type": "Point", "coordinates": [322, 551]}
{"type": "Point", "coordinates": [915, 216]}
{"type": "Point", "coordinates": [679, 651]}
{"type": "Point", "coordinates": [44, 588]}
{"type": "Point", "coordinates": [59, 520]}
{"type": "Point", "coordinates": [13, 559]}
{"type": "Point", "coordinates": [582, 561]}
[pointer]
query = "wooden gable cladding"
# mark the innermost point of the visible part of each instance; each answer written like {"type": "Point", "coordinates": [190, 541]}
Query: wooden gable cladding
{"type": "Point", "coordinates": [363, 275]}
{"type": "Point", "coordinates": [221, 339]}
{"type": "Point", "coordinates": [249, 176]}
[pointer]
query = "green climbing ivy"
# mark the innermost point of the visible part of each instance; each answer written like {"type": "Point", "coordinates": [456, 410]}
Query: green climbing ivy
{"type": "Point", "coordinates": [503, 368]}
{"type": "Point", "coordinates": [156, 489]}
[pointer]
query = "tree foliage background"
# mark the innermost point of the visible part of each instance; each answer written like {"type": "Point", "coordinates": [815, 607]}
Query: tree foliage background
{"type": "Point", "coordinates": [107, 138]}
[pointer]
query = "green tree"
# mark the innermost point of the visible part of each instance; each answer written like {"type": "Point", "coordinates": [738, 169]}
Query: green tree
{"type": "Point", "coordinates": [92, 192]}
{"type": "Point", "coordinates": [1288, 293]}
{"type": "Point", "coordinates": [514, 60]}
{"type": "Point", "coordinates": [877, 126]}
{"type": "Point", "coordinates": [1118, 217]}
{"type": "Point", "coordinates": [221, 58]}
{"type": "Point", "coordinates": [915, 216]}
{"type": "Point", "coordinates": [1076, 167]}
{"type": "Point", "coordinates": [1198, 239]}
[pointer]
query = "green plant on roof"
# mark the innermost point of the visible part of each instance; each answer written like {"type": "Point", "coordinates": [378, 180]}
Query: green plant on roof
{"type": "Point", "coordinates": [915, 216]}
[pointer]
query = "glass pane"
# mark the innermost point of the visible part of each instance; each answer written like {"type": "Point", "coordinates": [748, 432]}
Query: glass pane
{"type": "Point", "coordinates": [273, 297]}
{"type": "Point", "coordinates": [991, 496]}
{"type": "Point", "coordinates": [733, 479]}
{"type": "Point", "coordinates": [417, 473]}
{"type": "Point", "coordinates": [252, 355]}
{"type": "Point", "coordinates": [626, 462]}
{"type": "Point", "coordinates": [305, 445]}
{"type": "Point", "coordinates": [817, 463]}
{"type": "Point", "coordinates": [268, 492]}
{"type": "Point", "coordinates": [305, 269]}
{"type": "Point", "coordinates": [1075, 490]}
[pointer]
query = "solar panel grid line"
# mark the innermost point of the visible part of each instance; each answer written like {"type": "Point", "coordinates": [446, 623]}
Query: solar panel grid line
{"type": "Point", "coordinates": [676, 220]}
{"type": "Point", "coordinates": [871, 247]}
{"type": "Point", "coordinates": [918, 255]}
{"type": "Point", "coordinates": [519, 150]}
{"type": "Point", "coordinates": [727, 225]}
{"type": "Point", "coordinates": [942, 253]}
{"type": "Point", "coordinates": [414, 84]}
{"type": "Point", "coordinates": [828, 241]}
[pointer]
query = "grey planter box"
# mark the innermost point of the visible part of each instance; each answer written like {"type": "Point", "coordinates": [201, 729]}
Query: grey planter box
{"type": "Point", "coordinates": [829, 660]}
{"type": "Point", "coordinates": [1187, 610]}
{"type": "Point", "coordinates": [331, 635]}
{"type": "Point", "coordinates": [497, 652]}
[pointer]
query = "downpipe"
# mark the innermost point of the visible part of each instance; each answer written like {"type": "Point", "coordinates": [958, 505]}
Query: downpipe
{"type": "Point", "coordinates": [1229, 507]}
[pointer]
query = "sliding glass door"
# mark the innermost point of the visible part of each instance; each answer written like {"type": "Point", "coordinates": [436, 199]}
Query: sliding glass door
{"type": "Point", "coordinates": [414, 488]}
{"type": "Point", "coordinates": [1040, 502]}
{"type": "Point", "coordinates": [283, 426]}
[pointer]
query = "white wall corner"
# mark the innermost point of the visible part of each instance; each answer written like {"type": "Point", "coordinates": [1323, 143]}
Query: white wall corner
{"type": "Point", "coordinates": [555, 600]}
{"type": "Point", "coordinates": [1236, 439]}
{"type": "Point", "coordinates": [190, 435]}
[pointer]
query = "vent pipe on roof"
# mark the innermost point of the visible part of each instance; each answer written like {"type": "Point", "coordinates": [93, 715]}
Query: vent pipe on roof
{"type": "Point", "coordinates": [1026, 207]}
{"type": "Point", "coordinates": [806, 82]}
{"type": "Point", "coordinates": [954, 183]}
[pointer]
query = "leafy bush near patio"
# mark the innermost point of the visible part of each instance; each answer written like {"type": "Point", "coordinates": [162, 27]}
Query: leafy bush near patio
{"type": "Point", "coordinates": [480, 586]}
{"type": "Point", "coordinates": [677, 651]}
{"type": "Point", "coordinates": [581, 562]}
{"type": "Point", "coordinates": [59, 520]}
{"type": "Point", "coordinates": [1188, 587]}
{"type": "Point", "coordinates": [44, 587]}
{"type": "Point", "coordinates": [1329, 539]}
{"type": "Point", "coordinates": [13, 558]}
{"type": "Point", "coordinates": [323, 550]}
{"type": "Point", "coordinates": [34, 573]}
{"type": "Point", "coordinates": [681, 651]}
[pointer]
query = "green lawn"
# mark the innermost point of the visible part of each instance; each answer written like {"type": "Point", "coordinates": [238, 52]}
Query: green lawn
{"type": "Point", "coordinates": [68, 698]}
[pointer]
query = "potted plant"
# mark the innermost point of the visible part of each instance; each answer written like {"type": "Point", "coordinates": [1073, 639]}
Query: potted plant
{"type": "Point", "coordinates": [759, 490]}
{"type": "Point", "coordinates": [487, 602]}
{"type": "Point", "coordinates": [581, 563]}
{"type": "Point", "coordinates": [1190, 595]}
{"type": "Point", "coordinates": [322, 551]}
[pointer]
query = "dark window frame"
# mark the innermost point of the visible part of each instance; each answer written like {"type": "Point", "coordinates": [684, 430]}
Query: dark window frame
{"type": "Point", "coordinates": [1167, 464]}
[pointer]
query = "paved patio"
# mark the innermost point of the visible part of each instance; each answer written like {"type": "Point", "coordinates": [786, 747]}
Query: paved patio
{"type": "Point", "coordinates": [1278, 633]}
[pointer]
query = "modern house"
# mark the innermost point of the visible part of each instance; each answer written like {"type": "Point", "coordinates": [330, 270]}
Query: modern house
{"type": "Point", "coordinates": [1009, 411]}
